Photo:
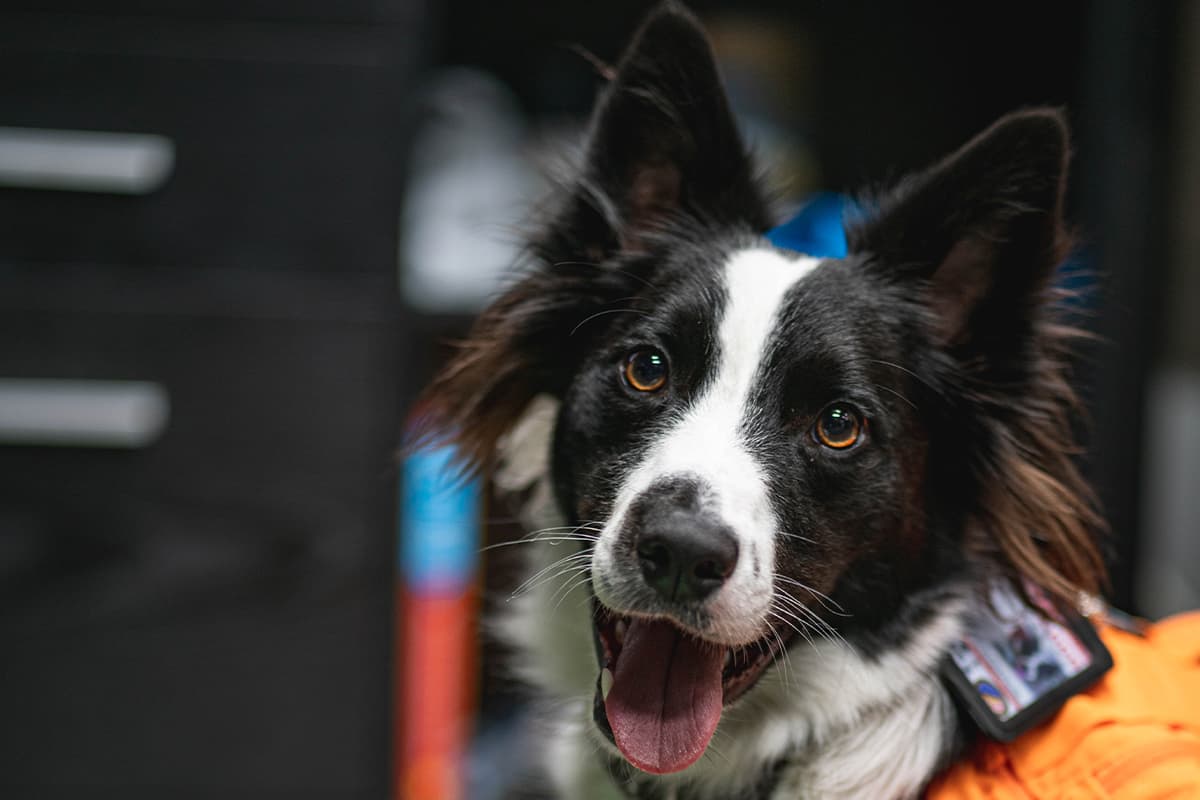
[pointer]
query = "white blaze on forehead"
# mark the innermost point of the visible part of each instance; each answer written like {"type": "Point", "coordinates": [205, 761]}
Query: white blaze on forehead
{"type": "Point", "coordinates": [708, 442]}
{"type": "Point", "coordinates": [756, 282]}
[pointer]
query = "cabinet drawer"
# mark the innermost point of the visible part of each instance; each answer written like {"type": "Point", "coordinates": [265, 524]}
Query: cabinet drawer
{"type": "Point", "coordinates": [206, 615]}
{"type": "Point", "coordinates": [286, 403]}
{"type": "Point", "coordinates": [285, 144]}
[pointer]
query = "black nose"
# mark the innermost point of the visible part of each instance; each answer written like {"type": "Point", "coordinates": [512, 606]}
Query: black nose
{"type": "Point", "coordinates": [685, 557]}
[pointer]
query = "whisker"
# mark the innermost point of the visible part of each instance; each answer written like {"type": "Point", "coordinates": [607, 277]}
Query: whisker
{"type": "Point", "coordinates": [568, 585]}
{"type": "Point", "coordinates": [815, 623]}
{"type": "Point", "coordinates": [796, 623]}
{"type": "Point", "coordinates": [798, 626]}
{"type": "Point", "coordinates": [563, 565]}
{"type": "Point", "coordinates": [587, 576]}
{"type": "Point", "coordinates": [797, 536]}
{"type": "Point", "coordinates": [907, 371]}
{"type": "Point", "coordinates": [611, 268]}
{"type": "Point", "coordinates": [584, 532]}
{"type": "Point", "coordinates": [825, 599]}
{"type": "Point", "coordinates": [712, 748]}
{"type": "Point", "coordinates": [812, 619]}
{"type": "Point", "coordinates": [897, 394]}
{"type": "Point", "coordinates": [604, 312]}
{"type": "Point", "coordinates": [552, 539]}
{"type": "Point", "coordinates": [780, 661]}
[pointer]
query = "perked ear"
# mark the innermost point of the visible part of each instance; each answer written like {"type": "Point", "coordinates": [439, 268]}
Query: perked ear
{"type": "Point", "coordinates": [979, 236]}
{"type": "Point", "coordinates": [663, 151]}
{"type": "Point", "coordinates": [982, 229]}
{"type": "Point", "coordinates": [663, 146]}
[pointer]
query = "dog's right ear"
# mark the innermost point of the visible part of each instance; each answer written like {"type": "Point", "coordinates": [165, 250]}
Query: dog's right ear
{"type": "Point", "coordinates": [663, 149]}
{"type": "Point", "coordinates": [663, 146]}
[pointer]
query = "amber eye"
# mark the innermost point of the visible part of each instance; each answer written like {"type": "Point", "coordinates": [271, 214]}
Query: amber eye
{"type": "Point", "coordinates": [839, 426]}
{"type": "Point", "coordinates": [646, 370]}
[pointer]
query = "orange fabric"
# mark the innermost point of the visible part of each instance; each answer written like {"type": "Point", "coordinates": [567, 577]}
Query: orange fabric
{"type": "Point", "coordinates": [1135, 734]}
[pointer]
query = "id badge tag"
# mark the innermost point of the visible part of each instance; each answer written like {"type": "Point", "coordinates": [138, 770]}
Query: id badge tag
{"type": "Point", "coordinates": [1017, 665]}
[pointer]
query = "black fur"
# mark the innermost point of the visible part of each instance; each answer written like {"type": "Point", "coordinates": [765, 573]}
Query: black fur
{"type": "Point", "coordinates": [937, 327]}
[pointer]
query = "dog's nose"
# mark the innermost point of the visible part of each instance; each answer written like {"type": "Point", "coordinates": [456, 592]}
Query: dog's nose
{"type": "Point", "coordinates": [686, 557]}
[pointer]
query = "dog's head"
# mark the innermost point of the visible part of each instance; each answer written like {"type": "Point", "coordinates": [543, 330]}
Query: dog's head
{"type": "Point", "coordinates": [766, 443]}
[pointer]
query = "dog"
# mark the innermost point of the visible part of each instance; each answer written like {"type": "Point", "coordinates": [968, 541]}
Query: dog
{"type": "Point", "coordinates": [765, 489]}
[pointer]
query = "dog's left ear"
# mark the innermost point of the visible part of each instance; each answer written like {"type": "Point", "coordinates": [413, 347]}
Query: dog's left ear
{"type": "Point", "coordinates": [982, 230]}
{"type": "Point", "coordinates": [978, 238]}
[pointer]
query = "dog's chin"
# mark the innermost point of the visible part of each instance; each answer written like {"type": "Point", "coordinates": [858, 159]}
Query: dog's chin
{"type": "Point", "coordinates": [661, 688]}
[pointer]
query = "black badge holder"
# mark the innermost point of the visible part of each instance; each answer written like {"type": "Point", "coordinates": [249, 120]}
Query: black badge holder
{"type": "Point", "coordinates": [1017, 665]}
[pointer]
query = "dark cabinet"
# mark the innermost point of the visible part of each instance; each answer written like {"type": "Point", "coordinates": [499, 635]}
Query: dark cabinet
{"type": "Point", "coordinates": [207, 612]}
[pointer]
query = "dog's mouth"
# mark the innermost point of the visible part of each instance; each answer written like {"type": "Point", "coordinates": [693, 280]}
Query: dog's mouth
{"type": "Point", "coordinates": [661, 689]}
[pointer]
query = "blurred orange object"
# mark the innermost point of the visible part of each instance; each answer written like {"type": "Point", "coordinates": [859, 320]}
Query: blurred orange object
{"type": "Point", "coordinates": [436, 653]}
{"type": "Point", "coordinates": [436, 694]}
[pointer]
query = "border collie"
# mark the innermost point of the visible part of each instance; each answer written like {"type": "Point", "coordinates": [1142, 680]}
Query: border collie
{"type": "Point", "coordinates": [765, 489]}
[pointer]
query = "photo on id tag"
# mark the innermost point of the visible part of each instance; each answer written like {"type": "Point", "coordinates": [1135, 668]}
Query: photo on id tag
{"type": "Point", "coordinates": [1016, 665]}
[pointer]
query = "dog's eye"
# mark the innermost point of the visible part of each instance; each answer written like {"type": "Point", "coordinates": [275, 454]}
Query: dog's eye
{"type": "Point", "coordinates": [839, 426]}
{"type": "Point", "coordinates": [646, 370]}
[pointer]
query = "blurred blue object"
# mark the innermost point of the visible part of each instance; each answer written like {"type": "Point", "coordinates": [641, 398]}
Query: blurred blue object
{"type": "Point", "coordinates": [816, 229]}
{"type": "Point", "coordinates": [439, 522]}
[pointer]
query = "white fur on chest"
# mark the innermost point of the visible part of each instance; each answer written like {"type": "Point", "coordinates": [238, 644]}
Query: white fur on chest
{"type": "Point", "coordinates": [845, 726]}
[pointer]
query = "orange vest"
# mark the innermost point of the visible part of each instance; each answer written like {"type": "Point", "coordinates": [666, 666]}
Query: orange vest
{"type": "Point", "coordinates": [1135, 734]}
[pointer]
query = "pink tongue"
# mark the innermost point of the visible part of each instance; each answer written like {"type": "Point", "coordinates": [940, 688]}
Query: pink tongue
{"type": "Point", "coordinates": [666, 699]}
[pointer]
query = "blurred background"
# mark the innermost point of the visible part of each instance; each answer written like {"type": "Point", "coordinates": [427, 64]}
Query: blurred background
{"type": "Point", "coordinates": [234, 237]}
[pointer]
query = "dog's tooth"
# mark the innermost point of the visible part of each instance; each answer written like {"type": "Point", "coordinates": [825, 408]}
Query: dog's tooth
{"type": "Point", "coordinates": [619, 630]}
{"type": "Point", "coordinates": [606, 681]}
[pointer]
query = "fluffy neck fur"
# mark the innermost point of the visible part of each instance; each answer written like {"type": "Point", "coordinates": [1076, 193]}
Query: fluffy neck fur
{"type": "Point", "coordinates": [825, 721]}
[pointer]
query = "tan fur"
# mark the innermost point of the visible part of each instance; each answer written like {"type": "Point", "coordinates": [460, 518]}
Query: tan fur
{"type": "Point", "coordinates": [1038, 515]}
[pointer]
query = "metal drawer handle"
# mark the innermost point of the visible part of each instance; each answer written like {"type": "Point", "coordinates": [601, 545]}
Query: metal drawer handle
{"type": "Point", "coordinates": [84, 161]}
{"type": "Point", "coordinates": [79, 413]}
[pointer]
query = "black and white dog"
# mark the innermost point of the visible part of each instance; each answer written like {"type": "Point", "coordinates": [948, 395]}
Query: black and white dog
{"type": "Point", "coordinates": [774, 483]}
